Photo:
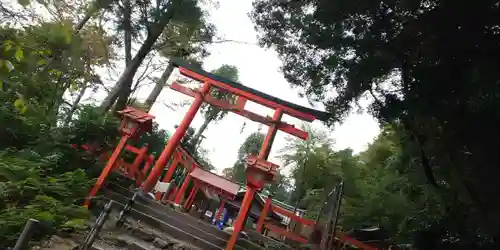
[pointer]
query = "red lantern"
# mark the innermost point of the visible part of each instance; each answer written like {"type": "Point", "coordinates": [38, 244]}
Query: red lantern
{"type": "Point", "coordinates": [259, 172]}
{"type": "Point", "coordinates": [135, 122]}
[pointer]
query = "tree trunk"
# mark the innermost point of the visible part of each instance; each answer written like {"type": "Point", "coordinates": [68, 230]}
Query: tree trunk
{"type": "Point", "coordinates": [131, 69]}
{"type": "Point", "coordinates": [196, 137]}
{"type": "Point", "coordinates": [159, 87]}
{"type": "Point", "coordinates": [74, 106]}
{"type": "Point", "coordinates": [79, 26]}
{"type": "Point", "coordinates": [97, 6]}
{"type": "Point", "coordinates": [127, 28]}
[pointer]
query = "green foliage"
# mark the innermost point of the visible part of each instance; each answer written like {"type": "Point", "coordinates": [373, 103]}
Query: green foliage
{"type": "Point", "coordinates": [251, 146]}
{"type": "Point", "coordinates": [424, 64]}
{"type": "Point", "coordinates": [381, 186]}
{"type": "Point", "coordinates": [41, 176]}
{"type": "Point", "coordinates": [39, 63]}
{"type": "Point", "coordinates": [156, 140]}
{"type": "Point", "coordinates": [34, 186]}
{"type": "Point", "coordinates": [213, 113]}
{"type": "Point", "coordinates": [280, 188]}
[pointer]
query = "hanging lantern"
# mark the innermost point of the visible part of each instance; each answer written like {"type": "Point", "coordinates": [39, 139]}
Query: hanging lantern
{"type": "Point", "coordinates": [259, 172]}
{"type": "Point", "coordinates": [135, 122]}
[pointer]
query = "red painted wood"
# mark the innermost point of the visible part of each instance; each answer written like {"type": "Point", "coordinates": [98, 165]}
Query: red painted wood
{"type": "Point", "coordinates": [182, 190]}
{"type": "Point", "coordinates": [265, 149]}
{"type": "Point", "coordinates": [241, 218]}
{"type": "Point", "coordinates": [191, 196]}
{"type": "Point", "coordinates": [287, 234]}
{"type": "Point", "coordinates": [285, 127]}
{"type": "Point", "coordinates": [249, 96]}
{"type": "Point", "coordinates": [221, 208]}
{"type": "Point", "coordinates": [217, 182]}
{"type": "Point", "coordinates": [107, 169]}
{"type": "Point", "coordinates": [263, 214]}
{"type": "Point", "coordinates": [171, 169]}
{"type": "Point", "coordinates": [293, 216]}
{"type": "Point", "coordinates": [342, 237]}
{"type": "Point", "coordinates": [167, 153]}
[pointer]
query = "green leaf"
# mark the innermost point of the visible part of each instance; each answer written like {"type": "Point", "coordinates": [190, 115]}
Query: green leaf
{"type": "Point", "coordinates": [21, 105]}
{"type": "Point", "coordinates": [67, 36]}
{"type": "Point", "coordinates": [75, 223]}
{"type": "Point", "coordinates": [7, 45]}
{"type": "Point", "coordinates": [45, 216]}
{"type": "Point", "coordinates": [19, 54]}
{"type": "Point", "coordinates": [1, 85]}
{"type": "Point", "coordinates": [42, 62]}
{"type": "Point", "coordinates": [24, 3]}
{"type": "Point", "coordinates": [8, 65]}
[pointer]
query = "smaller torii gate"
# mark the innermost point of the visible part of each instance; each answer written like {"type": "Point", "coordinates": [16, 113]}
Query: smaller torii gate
{"type": "Point", "coordinates": [212, 183]}
{"type": "Point", "coordinates": [202, 179]}
{"type": "Point", "coordinates": [259, 170]}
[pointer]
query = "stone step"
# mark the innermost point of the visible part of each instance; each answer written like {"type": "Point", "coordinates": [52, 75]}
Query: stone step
{"type": "Point", "coordinates": [169, 215]}
{"type": "Point", "coordinates": [180, 221]}
{"type": "Point", "coordinates": [166, 228]}
{"type": "Point", "coordinates": [264, 240]}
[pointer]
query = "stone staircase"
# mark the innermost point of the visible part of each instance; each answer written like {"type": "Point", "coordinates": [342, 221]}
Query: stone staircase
{"type": "Point", "coordinates": [163, 223]}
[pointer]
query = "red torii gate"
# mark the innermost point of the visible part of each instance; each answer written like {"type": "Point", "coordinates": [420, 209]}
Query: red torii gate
{"type": "Point", "coordinates": [269, 207]}
{"type": "Point", "coordinates": [262, 171]}
{"type": "Point", "coordinates": [204, 179]}
{"type": "Point", "coordinates": [201, 178]}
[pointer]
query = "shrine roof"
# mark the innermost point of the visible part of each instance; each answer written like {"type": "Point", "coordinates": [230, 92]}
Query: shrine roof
{"type": "Point", "coordinates": [137, 115]}
{"type": "Point", "coordinates": [215, 181]}
{"type": "Point", "coordinates": [320, 115]}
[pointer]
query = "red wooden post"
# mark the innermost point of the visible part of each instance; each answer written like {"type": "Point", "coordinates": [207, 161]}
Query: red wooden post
{"type": "Point", "coordinates": [165, 156]}
{"type": "Point", "coordinates": [149, 160]}
{"type": "Point", "coordinates": [168, 176]}
{"type": "Point", "coordinates": [193, 198]}
{"type": "Point", "coordinates": [263, 213]}
{"type": "Point", "coordinates": [105, 172]}
{"type": "Point", "coordinates": [271, 134]}
{"type": "Point", "coordinates": [171, 169]}
{"type": "Point", "coordinates": [134, 170]}
{"type": "Point", "coordinates": [221, 209]}
{"type": "Point", "coordinates": [240, 220]}
{"type": "Point", "coordinates": [191, 195]}
{"type": "Point", "coordinates": [172, 193]}
{"type": "Point", "coordinates": [250, 193]}
{"type": "Point", "coordinates": [180, 193]}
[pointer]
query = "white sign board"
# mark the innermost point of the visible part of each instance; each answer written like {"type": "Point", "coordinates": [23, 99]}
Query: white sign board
{"type": "Point", "coordinates": [162, 186]}
{"type": "Point", "coordinates": [208, 213]}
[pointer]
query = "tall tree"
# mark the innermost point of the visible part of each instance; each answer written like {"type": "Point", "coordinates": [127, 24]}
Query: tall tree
{"type": "Point", "coordinates": [280, 188]}
{"type": "Point", "coordinates": [251, 146]}
{"type": "Point", "coordinates": [186, 39]}
{"type": "Point", "coordinates": [423, 62]}
{"type": "Point", "coordinates": [153, 18]}
{"type": "Point", "coordinates": [212, 113]}
{"type": "Point", "coordinates": [302, 157]}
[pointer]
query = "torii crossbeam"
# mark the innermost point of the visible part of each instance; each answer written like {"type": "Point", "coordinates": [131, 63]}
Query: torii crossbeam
{"type": "Point", "coordinates": [243, 94]}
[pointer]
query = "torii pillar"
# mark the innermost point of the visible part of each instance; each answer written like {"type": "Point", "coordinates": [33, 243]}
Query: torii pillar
{"type": "Point", "coordinates": [254, 184]}
{"type": "Point", "coordinates": [169, 150]}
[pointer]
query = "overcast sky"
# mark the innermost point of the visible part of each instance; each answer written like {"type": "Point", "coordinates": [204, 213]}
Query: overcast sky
{"type": "Point", "coordinates": [258, 69]}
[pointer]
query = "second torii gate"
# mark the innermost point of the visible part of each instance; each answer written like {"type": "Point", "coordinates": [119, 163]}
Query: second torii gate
{"type": "Point", "coordinates": [263, 169]}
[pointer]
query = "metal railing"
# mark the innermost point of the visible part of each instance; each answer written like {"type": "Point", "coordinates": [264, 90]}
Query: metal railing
{"type": "Point", "coordinates": [329, 214]}
{"type": "Point", "coordinates": [25, 237]}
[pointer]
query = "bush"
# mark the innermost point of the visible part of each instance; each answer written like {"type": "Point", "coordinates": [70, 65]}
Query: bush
{"type": "Point", "coordinates": [30, 189]}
